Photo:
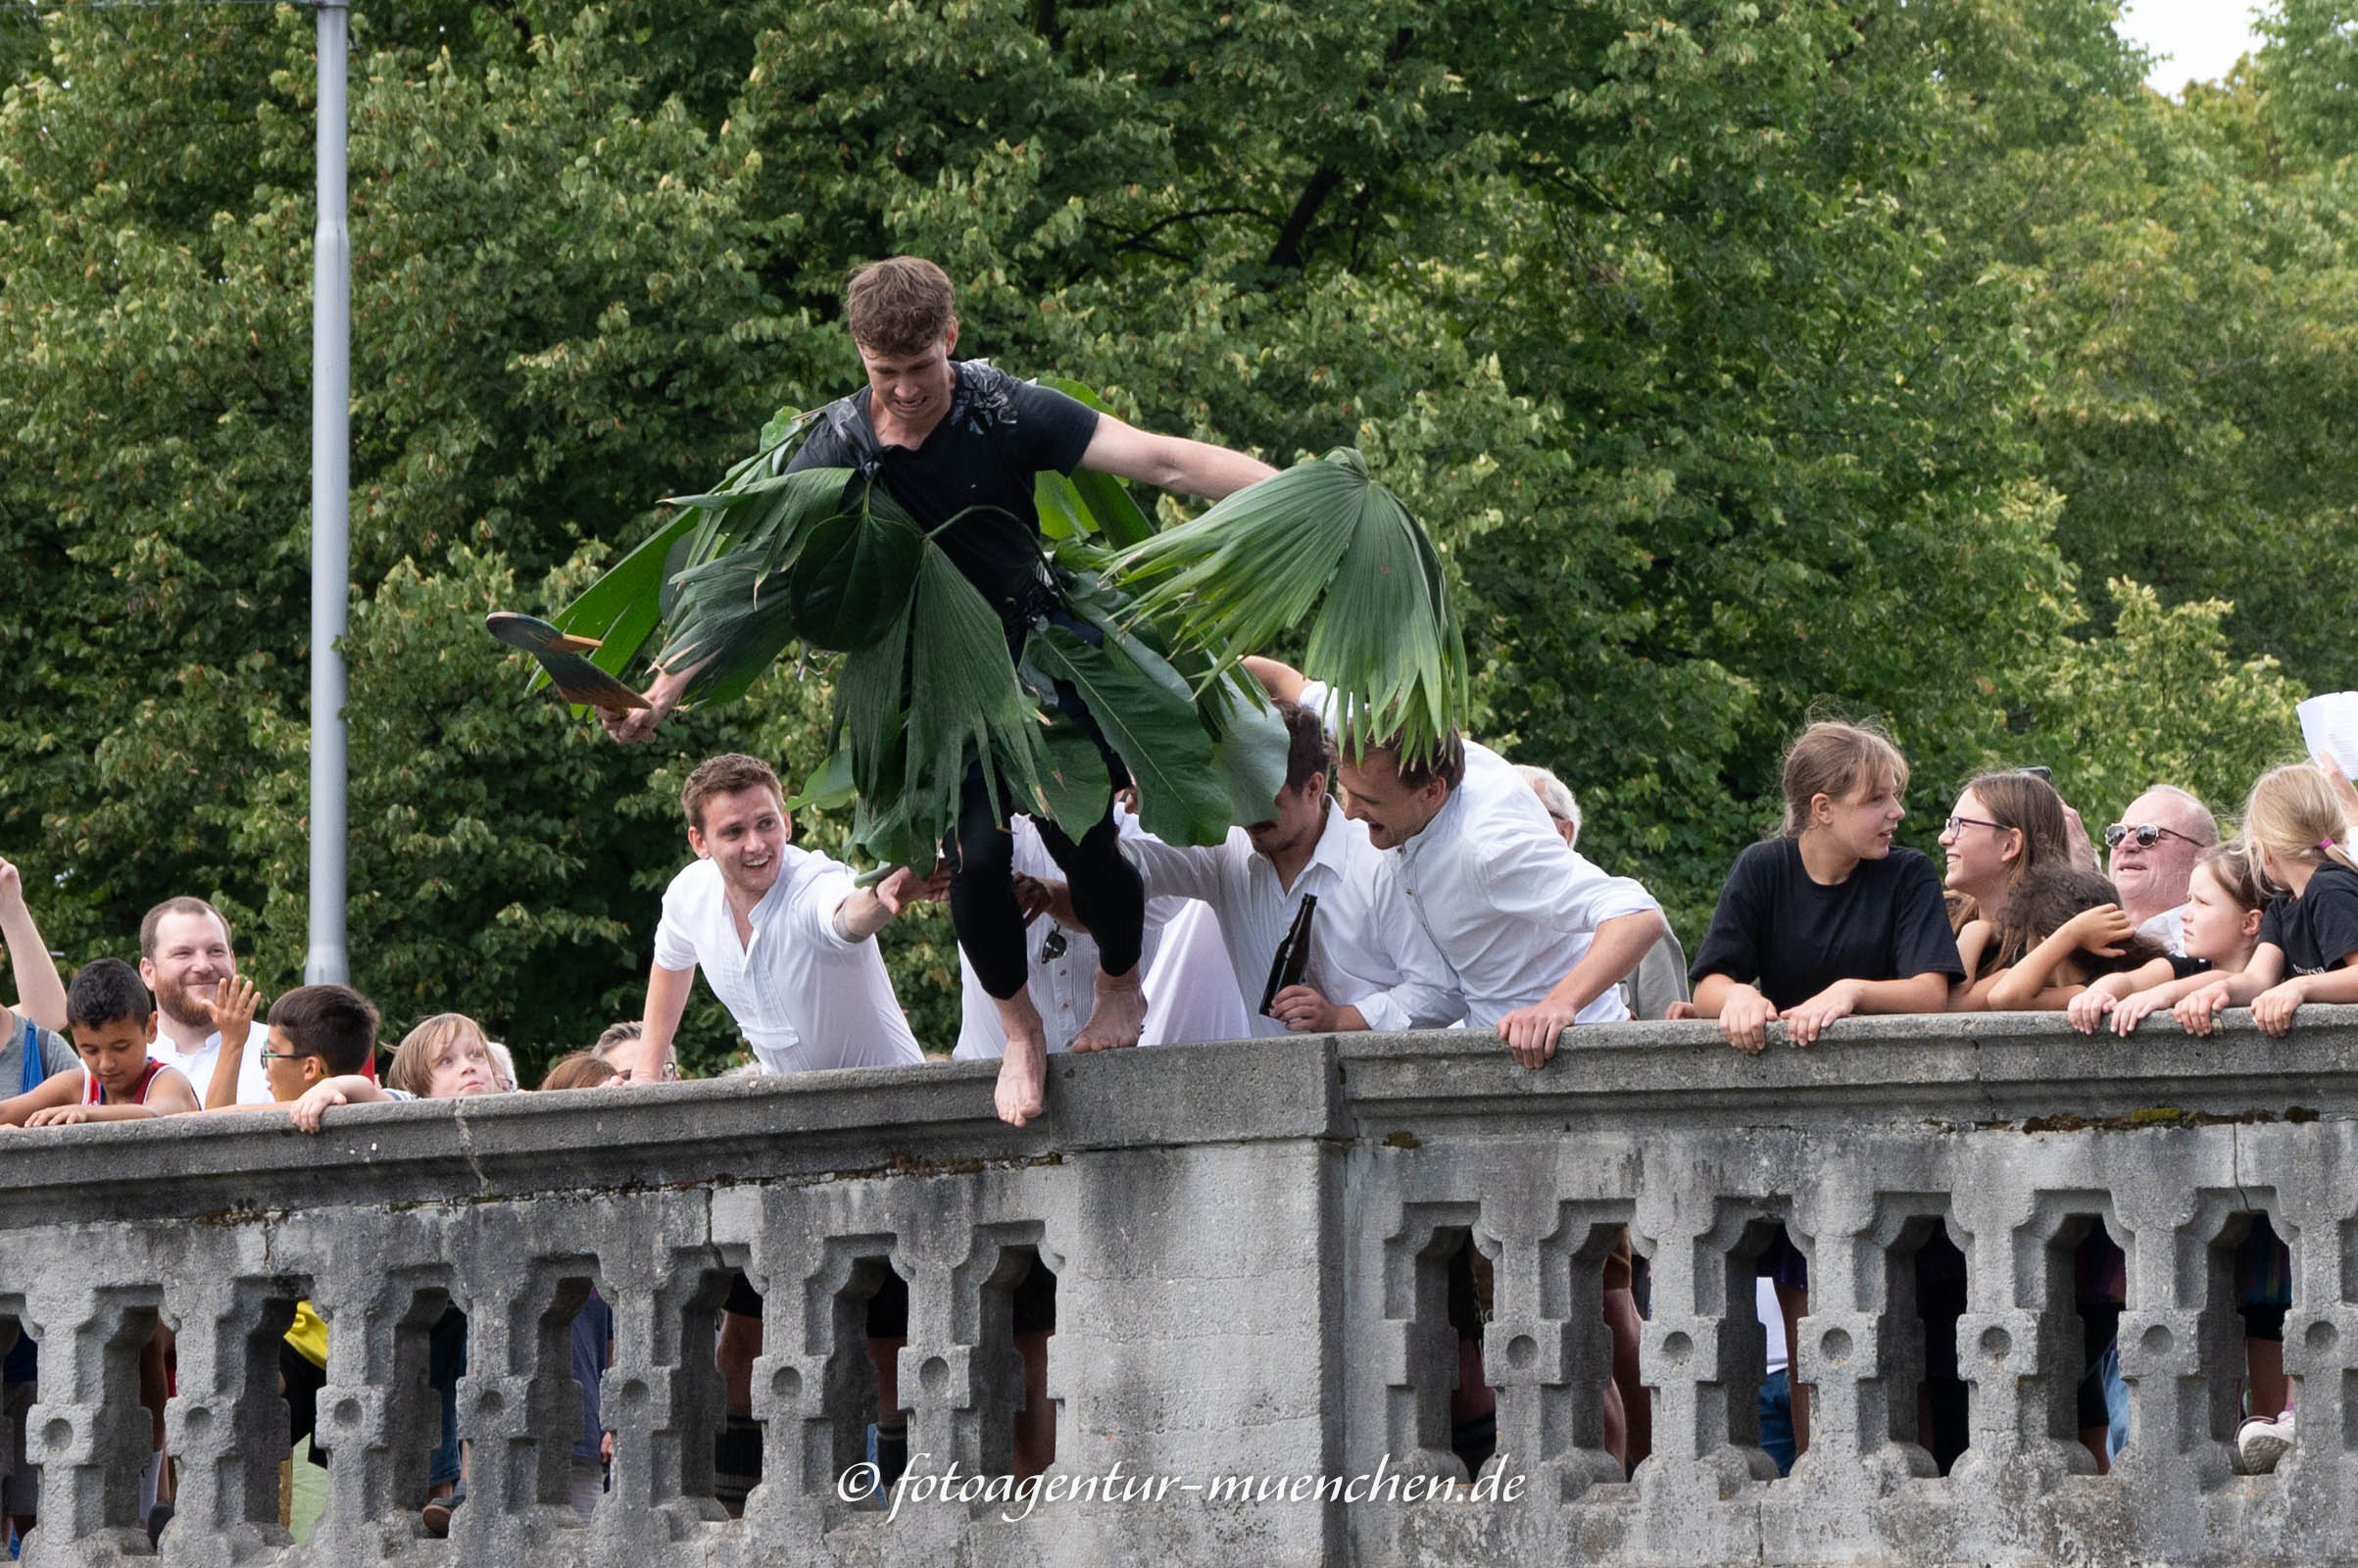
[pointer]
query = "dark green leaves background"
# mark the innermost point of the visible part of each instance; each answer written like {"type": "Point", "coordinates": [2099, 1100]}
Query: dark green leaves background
{"type": "Point", "coordinates": [1745, 361]}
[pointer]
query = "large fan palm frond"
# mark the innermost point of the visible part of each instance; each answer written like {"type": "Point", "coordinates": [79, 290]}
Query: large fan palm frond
{"type": "Point", "coordinates": [1320, 546]}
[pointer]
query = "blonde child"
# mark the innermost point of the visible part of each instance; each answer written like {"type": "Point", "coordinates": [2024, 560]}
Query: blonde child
{"type": "Point", "coordinates": [2307, 941]}
{"type": "Point", "coordinates": [2221, 928]}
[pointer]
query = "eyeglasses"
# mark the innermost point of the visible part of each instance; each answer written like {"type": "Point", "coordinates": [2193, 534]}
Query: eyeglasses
{"type": "Point", "coordinates": [282, 1056]}
{"type": "Point", "coordinates": [1956, 823]}
{"type": "Point", "coordinates": [2146, 833]}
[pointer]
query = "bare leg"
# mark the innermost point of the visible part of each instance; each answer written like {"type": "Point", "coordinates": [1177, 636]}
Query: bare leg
{"type": "Point", "coordinates": [740, 1343]}
{"type": "Point", "coordinates": [1119, 1017]}
{"type": "Point", "coordinates": [1793, 1303]}
{"type": "Point", "coordinates": [2268, 1387]}
{"type": "Point", "coordinates": [1036, 1422]}
{"type": "Point", "coordinates": [1024, 1070]}
{"type": "Point", "coordinates": [885, 1357]}
{"type": "Point", "coordinates": [2097, 1440]}
{"type": "Point", "coordinates": [1637, 1405]}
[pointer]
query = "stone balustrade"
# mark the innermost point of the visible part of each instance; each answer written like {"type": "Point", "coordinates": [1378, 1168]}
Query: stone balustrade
{"type": "Point", "coordinates": [1250, 1242]}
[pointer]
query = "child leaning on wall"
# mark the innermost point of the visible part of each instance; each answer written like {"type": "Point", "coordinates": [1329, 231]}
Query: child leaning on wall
{"type": "Point", "coordinates": [316, 1033]}
{"type": "Point", "coordinates": [112, 1020]}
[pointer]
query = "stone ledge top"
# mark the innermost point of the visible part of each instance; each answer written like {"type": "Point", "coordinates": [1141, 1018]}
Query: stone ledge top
{"type": "Point", "coordinates": [1896, 1073]}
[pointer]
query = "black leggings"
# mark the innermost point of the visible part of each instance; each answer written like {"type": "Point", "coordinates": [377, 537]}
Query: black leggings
{"type": "Point", "coordinates": [1106, 896]}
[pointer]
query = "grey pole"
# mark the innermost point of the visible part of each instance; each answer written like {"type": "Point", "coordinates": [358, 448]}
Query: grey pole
{"type": "Point", "coordinates": [330, 497]}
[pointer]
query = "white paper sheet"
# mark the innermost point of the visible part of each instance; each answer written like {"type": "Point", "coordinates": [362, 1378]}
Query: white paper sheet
{"type": "Point", "coordinates": [2329, 725]}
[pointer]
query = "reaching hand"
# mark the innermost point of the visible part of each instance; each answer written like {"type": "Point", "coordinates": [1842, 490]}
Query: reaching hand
{"type": "Point", "coordinates": [2273, 1009]}
{"type": "Point", "coordinates": [60, 1116]}
{"type": "Point", "coordinates": [1743, 1019]}
{"type": "Point", "coordinates": [2087, 1010]}
{"type": "Point", "coordinates": [1303, 1011]}
{"type": "Point", "coordinates": [2107, 924]}
{"type": "Point", "coordinates": [1531, 1033]}
{"type": "Point", "coordinates": [637, 723]}
{"type": "Point", "coordinates": [2132, 1010]}
{"type": "Point", "coordinates": [1805, 1021]}
{"type": "Point", "coordinates": [12, 885]}
{"type": "Point", "coordinates": [899, 890]}
{"type": "Point", "coordinates": [313, 1105]}
{"type": "Point", "coordinates": [2198, 1014]}
{"type": "Point", "coordinates": [1031, 895]}
{"type": "Point", "coordinates": [231, 1009]}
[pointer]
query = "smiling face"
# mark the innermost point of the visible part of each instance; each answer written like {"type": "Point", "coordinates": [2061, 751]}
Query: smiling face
{"type": "Point", "coordinates": [2153, 877]}
{"type": "Point", "coordinates": [287, 1069]}
{"type": "Point", "coordinates": [910, 388]}
{"type": "Point", "coordinates": [1374, 794]}
{"type": "Point", "coordinates": [115, 1053]}
{"type": "Point", "coordinates": [743, 834]}
{"type": "Point", "coordinates": [1862, 822]}
{"type": "Point", "coordinates": [1981, 858]}
{"type": "Point", "coordinates": [192, 957]}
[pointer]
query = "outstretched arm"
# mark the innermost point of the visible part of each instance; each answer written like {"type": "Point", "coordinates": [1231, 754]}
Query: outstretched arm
{"type": "Point", "coordinates": [1281, 681]}
{"type": "Point", "coordinates": [1170, 461]}
{"type": "Point", "coordinates": [42, 993]}
{"type": "Point", "coordinates": [667, 999]}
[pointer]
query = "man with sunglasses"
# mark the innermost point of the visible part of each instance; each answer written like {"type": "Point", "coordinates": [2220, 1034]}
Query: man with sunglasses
{"type": "Point", "coordinates": [2153, 846]}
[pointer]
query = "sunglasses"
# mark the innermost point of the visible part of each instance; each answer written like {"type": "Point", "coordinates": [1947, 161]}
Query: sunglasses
{"type": "Point", "coordinates": [2146, 835]}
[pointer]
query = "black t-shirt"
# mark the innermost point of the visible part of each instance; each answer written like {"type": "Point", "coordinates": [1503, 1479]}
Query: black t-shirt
{"type": "Point", "coordinates": [2318, 930]}
{"type": "Point", "coordinates": [981, 461]}
{"type": "Point", "coordinates": [1785, 934]}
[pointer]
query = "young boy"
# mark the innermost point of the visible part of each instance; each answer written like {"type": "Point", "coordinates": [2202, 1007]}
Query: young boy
{"type": "Point", "coordinates": [316, 1033]}
{"type": "Point", "coordinates": [113, 1022]}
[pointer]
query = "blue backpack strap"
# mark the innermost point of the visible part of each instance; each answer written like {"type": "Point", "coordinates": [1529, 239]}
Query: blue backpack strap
{"type": "Point", "coordinates": [36, 1069]}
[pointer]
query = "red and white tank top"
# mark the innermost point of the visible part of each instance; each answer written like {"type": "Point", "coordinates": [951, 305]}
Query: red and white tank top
{"type": "Point", "coordinates": [95, 1095]}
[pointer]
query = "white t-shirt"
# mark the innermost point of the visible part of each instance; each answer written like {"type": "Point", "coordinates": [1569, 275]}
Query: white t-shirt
{"type": "Point", "coordinates": [1509, 904]}
{"type": "Point", "coordinates": [1366, 948]}
{"type": "Point", "coordinates": [253, 1078]}
{"type": "Point", "coordinates": [805, 998]}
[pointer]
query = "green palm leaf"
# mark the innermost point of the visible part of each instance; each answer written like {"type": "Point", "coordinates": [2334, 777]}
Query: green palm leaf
{"type": "Point", "coordinates": [1148, 719]}
{"type": "Point", "coordinates": [964, 705]}
{"type": "Point", "coordinates": [849, 564]}
{"type": "Point", "coordinates": [1320, 546]}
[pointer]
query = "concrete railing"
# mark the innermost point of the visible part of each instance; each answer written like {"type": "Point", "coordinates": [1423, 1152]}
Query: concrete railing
{"type": "Point", "coordinates": [1249, 1242]}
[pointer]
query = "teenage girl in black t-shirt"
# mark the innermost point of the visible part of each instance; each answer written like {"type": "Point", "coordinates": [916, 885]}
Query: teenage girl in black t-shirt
{"type": "Point", "coordinates": [1829, 918]}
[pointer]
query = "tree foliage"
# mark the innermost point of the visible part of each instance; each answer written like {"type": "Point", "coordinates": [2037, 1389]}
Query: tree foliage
{"type": "Point", "coordinates": [1748, 358]}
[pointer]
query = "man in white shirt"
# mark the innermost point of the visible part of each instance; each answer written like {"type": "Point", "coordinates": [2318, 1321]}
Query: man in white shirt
{"type": "Point", "coordinates": [184, 958]}
{"type": "Point", "coordinates": [1537, 937]}
{"type": "Point", "coordinates": [781, 934]}
{"type": "Point", "coordinates": [784, 939]}
{"type": "Point", "coordinates": [1370, 964]}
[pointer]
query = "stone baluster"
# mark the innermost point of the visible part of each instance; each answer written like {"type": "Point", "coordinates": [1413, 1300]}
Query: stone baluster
{"type": "Point", "coordinates": [1546, 1349]}
{"type": "Point", "coordinates": [227, 1423]}
{"type": "Point", "coordinates": [2182, 1351]}
{"type": "Point", "coordinates": [2320, 1338]}
{"type": "Point", "coordinates": [519, 1408]}
{"type": "Point", "coordinates": [377, 1416]}
{"type": "Point", "coordinates": [89, 1433]}
{"type": "Point", "coordinates": [661, 1396]}
{"type": "Point", "coordinates": [1415, 1347]}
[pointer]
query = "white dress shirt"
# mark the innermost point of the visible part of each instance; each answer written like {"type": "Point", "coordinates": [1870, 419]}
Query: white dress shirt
{"type": "Point", "coordinates": [1368, 950]}
{"type": "Point", "coordinates": [805, 998]}
{"type": "Point", "coordinates": [253, 1078]}
{"type": "Point", "coordinates": [1187, 999]}
{"type": "Point", "coordinates": [1509, 904]}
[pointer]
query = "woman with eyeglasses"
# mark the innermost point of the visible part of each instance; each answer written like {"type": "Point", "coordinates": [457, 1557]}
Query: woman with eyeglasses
{"type": "Point", "coordinates": [2004, 826]}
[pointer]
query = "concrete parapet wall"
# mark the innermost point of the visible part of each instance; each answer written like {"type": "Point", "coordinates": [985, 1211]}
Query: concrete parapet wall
{"type": "Point", "coordinates": [1250, 1243]}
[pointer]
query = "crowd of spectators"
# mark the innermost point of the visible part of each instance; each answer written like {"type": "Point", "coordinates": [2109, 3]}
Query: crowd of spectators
{"type": "Point", "coordinates": [1444, 891]}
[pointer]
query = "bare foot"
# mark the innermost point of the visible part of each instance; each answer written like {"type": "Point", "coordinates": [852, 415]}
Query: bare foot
{"type": "Point", "coordinates": [1119, 1017]}
{"type": "Point", "coordinates": [1024, 1070]}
